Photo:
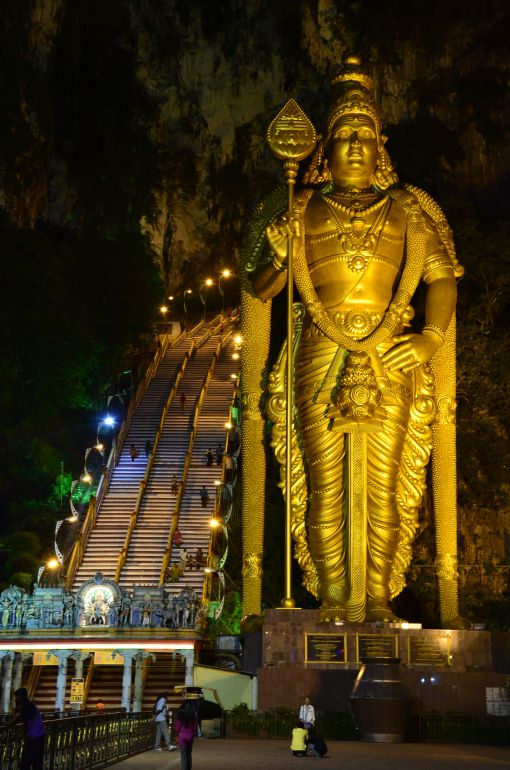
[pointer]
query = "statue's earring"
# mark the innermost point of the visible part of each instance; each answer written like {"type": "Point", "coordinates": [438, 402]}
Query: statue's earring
{"type": "Point", "coordinates": [318, 171]}
{"type": "Point", "coordinates": [384, 175]}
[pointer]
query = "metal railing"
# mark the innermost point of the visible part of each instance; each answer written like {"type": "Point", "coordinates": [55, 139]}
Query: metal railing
{"type": "Point", "coordinates": [84, 742]}
{"type": "Point", "coordinates": [78, 551]}
{"type": "Point", "coordinates": [187, 461]}
{"type": "Point", "coordinates": [143, 483]}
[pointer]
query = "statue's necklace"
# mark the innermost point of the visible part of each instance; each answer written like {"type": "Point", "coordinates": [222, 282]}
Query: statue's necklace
{"type": "Point", "coordinates": [358, 241]}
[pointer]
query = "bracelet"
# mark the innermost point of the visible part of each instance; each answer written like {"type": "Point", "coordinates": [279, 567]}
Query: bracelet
{"type": "Point", "coordinates": [277, 264]}
{"type": "Point", "coordinates": [435, 331]}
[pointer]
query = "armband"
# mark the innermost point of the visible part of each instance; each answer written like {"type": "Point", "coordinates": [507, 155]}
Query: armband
{"type": "Point", "coordinates": [434, 331]}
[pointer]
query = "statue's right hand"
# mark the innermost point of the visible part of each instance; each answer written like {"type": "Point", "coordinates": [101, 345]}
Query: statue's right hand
{"type": "Point", "coordinates": [278, 232]}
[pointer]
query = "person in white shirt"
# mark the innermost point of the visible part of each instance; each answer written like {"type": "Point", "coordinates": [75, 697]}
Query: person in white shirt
{"type": "Point", "coordinates": [161, 719]}
{"type": "Point", "coordinates": [307, 713]}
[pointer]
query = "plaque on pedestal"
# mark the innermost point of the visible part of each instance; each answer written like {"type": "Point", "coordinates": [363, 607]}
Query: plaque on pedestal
{"type": "Point", "coordinates": [325, 648]}
{"type": "Point", "coordinates": [376, 646]}
{"type": "Point", "coordinates": [425, 650]}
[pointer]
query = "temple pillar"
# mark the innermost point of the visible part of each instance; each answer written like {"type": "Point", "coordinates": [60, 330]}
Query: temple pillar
{"type": "Point", "coordinates": [189, 657]}
{"type": "Point", "coordinates": [128, 656]}
{"type": "Point", "coordinates": [62, 656]}
{"type": "Point", "coordinates": [140, 658]}
{"type": "Point", "coordinates": [79, 658]}
{"type": "Point", "coordinates": [21, 659]}
{"type": "Point", "coordinates": [7, 659]}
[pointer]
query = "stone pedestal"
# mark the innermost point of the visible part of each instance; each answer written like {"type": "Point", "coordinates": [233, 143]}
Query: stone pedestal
{"type": "Point", "coordinates": [445, 670]}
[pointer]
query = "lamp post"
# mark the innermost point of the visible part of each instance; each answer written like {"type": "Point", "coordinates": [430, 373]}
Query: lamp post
{"type": "Point", "coordinates": [203, 296]}
{"type": "Point", "coordinates": [225, 274]}
{"type": "Point", "coordinates": [186, 291]}
{"type": "Point", "coordinates": [163, 310]}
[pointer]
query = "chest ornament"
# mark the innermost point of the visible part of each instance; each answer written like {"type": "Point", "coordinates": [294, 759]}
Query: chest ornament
{"type": "Point", "coordinates": [357, 238]}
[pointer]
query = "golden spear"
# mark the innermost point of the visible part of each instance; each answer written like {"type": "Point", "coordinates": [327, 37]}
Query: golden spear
{"type": "Point", "coordinates": [291, 137]}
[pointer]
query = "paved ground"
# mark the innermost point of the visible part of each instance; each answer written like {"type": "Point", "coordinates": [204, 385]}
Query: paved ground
{"type": "Point", "coordinates": [275, 755]}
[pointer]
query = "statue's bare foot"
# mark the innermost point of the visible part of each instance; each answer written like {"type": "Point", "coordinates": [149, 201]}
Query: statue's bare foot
{"type": "Point", "coordinates": [332, 611]}
{"type": "Point", "coordinates": [378, 611]}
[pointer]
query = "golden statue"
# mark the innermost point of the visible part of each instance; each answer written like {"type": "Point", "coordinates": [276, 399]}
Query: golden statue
{"type": "Point", "coordinates": [374, 382]}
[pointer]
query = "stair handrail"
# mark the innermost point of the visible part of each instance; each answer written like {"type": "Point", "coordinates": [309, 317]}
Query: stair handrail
{"type": "Point", "coordinates": [140, 391]}
{"type": "Point", "coordinates": [133, 521]}
{"type": "Point", "coordinates": [33, 680]}
{"type": "Point", "coordinates": [167, 552]}
{"type": "Point", "coordinates": [81, 541]}
{"type": "Point", "coordinates": [88, 682]}
{"type": "Point", "coordinates": [80, 544]}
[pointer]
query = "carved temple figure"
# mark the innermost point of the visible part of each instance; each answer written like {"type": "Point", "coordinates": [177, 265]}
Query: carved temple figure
{"type": "Point", "coordinates": [374, 373]}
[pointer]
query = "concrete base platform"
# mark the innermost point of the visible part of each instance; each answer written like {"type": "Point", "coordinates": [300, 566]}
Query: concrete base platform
{"type": "Point", "coordinates": [343, 755]}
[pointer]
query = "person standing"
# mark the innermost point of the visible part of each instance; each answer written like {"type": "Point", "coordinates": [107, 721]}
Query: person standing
{"type": "Point", "coordinates": [133, 451]}
{"type": "Point", "coordinates": [183, 401]}
{"type": "Point", "coordinates": [160, 711]}
{"type": "Point", "coordinates": [209, 457]}
{"type": "Point", "coordinates": [219, 454]}
{"type": "Point", "coordinates": [99, 706]}
{"type": "Point", "coordinates": [204, 496]}
{"type": "Point", "coordinates": [185, 727]}
{"type": "Point", "coordinates": [307, 713]}
{"type": "Point", "coordinates": [28, 713]}
{"type": "Point", "coordinates": [148, 448]}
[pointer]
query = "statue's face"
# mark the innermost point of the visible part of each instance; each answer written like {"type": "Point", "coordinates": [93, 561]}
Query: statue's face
{"type": "Point", "coordinates": [353, 150]}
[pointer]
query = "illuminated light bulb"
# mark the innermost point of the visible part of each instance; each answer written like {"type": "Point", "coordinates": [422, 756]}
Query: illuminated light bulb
{"type": "Point", "coordinates": [213, 523]}
{"type": "Point", "coordinates": [72, 518]}
{"type": "Point", "coordinates": [238, 339]}
{"type": "Point", "coordinates": [226, 273]}
{"type": "Point", "coordinates": [235, 356]}
{"type": "Point", "coordinates": [86, 478]}
{"type": "Point", "coordinates": [217, 483]}
{"type": "Point", "coordinates": [164, 309]}
{"type": "Point", "coordinates": [52, 563]}
{"type": "Point", "coordinates": [108, 420]}
{"type": "Point", "coordinates": [99, 447]}
{"type": "Point", "coordinates": [209, 282]}
{"type": "Point", "coordinates": [171, 298]}
{"type": "Point", "coordinates": [234, 376]}
{"type": "Point", "coordinates": [228, 425]}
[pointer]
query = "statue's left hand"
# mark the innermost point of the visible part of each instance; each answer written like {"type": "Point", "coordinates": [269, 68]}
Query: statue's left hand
{"type": "Point", "coordinates": [409, 351]}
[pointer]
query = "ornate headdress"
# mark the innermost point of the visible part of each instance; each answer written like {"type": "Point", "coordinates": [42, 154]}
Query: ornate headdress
{"type": "Point", "coordinates": [352, 94]}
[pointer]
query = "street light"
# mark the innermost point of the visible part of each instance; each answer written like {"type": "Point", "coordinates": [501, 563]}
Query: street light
{"type": "Point", "coordinates": [208, 282]}
{"type": "Point", "coordinates": [186, 291]}
{"type": "Point", "coordinates": [225, 274]}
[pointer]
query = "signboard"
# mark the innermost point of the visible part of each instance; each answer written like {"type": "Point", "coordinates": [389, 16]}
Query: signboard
{"type": "Point", "coordinates": [429, 650]}
{"type": "Point", "coordinates": [107, 658]}
{"type": "Point", "coordinates": [42, 658]}
{"type": "Point", "coordinates": [76, 691]}
{"type": "Point", "coordinates": [325, 648]}
{"type": "Point", "coordinates": [376, 646]}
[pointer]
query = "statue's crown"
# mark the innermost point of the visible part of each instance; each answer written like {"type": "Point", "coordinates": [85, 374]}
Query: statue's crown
{"type": "Point", "coordinates": [352, 93]}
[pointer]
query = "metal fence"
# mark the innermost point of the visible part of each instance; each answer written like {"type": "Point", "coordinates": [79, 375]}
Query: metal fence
{"type": "Point", "coordinates": [83, 743]}
{"type": "Point", "coordinates": [430, 727]}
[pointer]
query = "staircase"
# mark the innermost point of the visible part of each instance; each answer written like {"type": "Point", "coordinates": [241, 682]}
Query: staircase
{"type": "Point", "coordinates": [193, 519]}
{"type": "Point", "coordinates": [163, 674]}
{"type": "Point", "coordinates": [149, 538]}
{"type": "Point", "coordinates": [107, 538]}
{"type": "Point", "coordinates": [106, 684]}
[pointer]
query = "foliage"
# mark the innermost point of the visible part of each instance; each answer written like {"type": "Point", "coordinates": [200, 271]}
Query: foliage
{"type": "Point", "coordinates": [279, 722]}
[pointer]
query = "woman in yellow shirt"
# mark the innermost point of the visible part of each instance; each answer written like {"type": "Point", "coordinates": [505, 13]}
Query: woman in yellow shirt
{"type": "Point", "coordinates": [299, 737]}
